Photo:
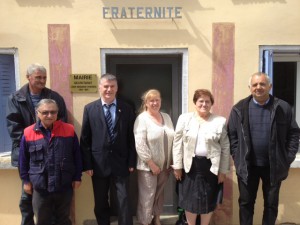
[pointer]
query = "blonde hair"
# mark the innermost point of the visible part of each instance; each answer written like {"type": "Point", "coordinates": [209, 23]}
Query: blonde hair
{"type": "Point", "coordinates": [147, 95]}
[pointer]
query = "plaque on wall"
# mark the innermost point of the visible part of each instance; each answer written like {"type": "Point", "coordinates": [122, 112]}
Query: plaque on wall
{"type": "Point", "coordinates": [83, 83]}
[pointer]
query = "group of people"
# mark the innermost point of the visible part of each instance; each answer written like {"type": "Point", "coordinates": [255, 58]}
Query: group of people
{"type": "Point", "coordinates": [261, 135]}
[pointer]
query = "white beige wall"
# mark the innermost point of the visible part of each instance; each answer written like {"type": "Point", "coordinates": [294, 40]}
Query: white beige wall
{"type": "Point", "coordinates": [23, 24]}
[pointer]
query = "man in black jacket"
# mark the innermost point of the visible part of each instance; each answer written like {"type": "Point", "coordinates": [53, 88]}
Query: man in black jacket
{"type": "Point", "coordinates": [264, 140]}
{"type": "Point", "coordinates": [21, 114]}
{"type": "Point", "coordinates": [108, 150]}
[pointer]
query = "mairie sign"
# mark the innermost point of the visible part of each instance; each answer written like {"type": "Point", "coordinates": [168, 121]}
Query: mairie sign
{"type": "Point", "coordinates": [83, 83]}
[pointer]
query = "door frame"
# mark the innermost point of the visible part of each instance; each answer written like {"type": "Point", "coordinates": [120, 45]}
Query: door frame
{"type": "Point", "coordinates": [143, 52]}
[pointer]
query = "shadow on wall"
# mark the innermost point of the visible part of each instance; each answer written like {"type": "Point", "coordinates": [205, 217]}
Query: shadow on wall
{"type": "Point", "coordinates": [46, 3]}
{"type": "Point", "coordinates": [242, 2]}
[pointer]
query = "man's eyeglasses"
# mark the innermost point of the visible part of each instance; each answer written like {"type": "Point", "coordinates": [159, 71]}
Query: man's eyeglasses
{"type": "Point", "coordinates": [46, 113]}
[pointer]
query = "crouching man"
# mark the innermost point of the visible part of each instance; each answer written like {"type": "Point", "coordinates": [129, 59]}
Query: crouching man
{"type": "Point", "coordinates": [50, 164]}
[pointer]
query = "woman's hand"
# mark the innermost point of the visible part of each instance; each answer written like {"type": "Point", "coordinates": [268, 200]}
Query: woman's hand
{"type": "Point", "coordinates": [221, 177]}
{"type": "Point", "coordinates": [178, 174]}
{"type": "Point", "coordinates": [153, 167]}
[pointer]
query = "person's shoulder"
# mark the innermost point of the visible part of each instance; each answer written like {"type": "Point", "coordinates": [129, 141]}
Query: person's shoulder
{"type": "Point", "coordinates": [141, 118]}
{"type": "Point", "coordinates": [218, 118]}
{"type": "Point", "coordinates": [124, 106]}
{"type": "Point", "coordinates": [122, 103]}
{"type": "Point", "coordinates": [166, 115]}
{"type": "Point", "coordinates": [241, 103]}
{"type": "Point", "coordinates": [184, 117]}
{"type": "Point", "coordinates": [67, 125]}
{"type": "Point", "coordinates": [20, 95]}
{"type": "Point", "coordinates": [29, 128]}
{"type": "Point", "coordinates": [187, 115]}
{"type": "Point", "coordinates": [142, 115]}
{"type": "Point", "coordinates": [93, 103]}
{"type": "Point", "coordinates": [282, 103]}
{"type": "Point", "coordinates": [52, 93]}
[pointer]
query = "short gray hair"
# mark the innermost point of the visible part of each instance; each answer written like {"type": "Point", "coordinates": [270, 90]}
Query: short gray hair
{"type": "Point", "coordinates": [35, 67]}
{"type": "Point", "coordinates": [46, 101]}
{"type": "Point", "coordinates": [109, 77]}
{"type": "Point", "coordinates": [259, 74]}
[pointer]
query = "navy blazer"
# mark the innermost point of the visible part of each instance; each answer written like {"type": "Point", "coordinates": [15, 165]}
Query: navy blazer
{"type": "Point", "coordinates": [98, 154]}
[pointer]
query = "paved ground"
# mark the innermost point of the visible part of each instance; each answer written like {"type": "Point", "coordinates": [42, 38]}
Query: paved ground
{"type": "Point", "coordinates": [165, 220]}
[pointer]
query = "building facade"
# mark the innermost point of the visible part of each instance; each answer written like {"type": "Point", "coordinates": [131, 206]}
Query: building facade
{"type": "Point", "coordinates": [175, 46]}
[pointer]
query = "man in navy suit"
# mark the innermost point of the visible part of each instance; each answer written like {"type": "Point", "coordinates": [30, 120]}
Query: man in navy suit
{"type": "Point", "coordinates": [109, 155]}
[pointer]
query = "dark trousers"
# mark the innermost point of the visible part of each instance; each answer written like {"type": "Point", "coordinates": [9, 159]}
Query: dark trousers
{"type": "Point", "coordinates": [56, 204]}
{"type": "Point", "coordinates": [248, 196]}
{"type": "Point", "coordinates": [101, 188]}
{"type": "Point", "coordinates": [26, 208]}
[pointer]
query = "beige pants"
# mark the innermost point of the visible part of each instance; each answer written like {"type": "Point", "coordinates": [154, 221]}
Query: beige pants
{"type": "Point", "coordinates": [150, 195]}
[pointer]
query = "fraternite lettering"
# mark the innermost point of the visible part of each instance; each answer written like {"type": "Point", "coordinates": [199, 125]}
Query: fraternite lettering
{"type": "Point", "coordinates": [141, 12]}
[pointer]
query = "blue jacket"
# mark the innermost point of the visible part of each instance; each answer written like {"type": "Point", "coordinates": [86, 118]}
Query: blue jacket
{"type": "Point", "coordinates": [50, 162]}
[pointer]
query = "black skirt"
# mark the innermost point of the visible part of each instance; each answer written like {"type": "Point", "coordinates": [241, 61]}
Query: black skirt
{"type": "Point", "coordinates": [198, 190]}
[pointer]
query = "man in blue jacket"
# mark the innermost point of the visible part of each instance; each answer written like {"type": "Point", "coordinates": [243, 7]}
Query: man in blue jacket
{"type": "Point", "coordinates": [264, 140]}
{"type": "Point", "coordinates": [21, 114]}
{"type": "Point", "coordinates": [50, 164]}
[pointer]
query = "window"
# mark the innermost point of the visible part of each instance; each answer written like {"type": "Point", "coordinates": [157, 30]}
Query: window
{"type": "Point", "coordinates": [7, 86]}
{"type": "Point", "coordinates": [282, 64]}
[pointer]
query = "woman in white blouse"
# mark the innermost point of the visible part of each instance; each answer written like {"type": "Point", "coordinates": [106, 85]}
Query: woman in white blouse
{"type": "Point", "coordinates": [201, 148]}
{"type": "Point", "coordinates": [154, 132]}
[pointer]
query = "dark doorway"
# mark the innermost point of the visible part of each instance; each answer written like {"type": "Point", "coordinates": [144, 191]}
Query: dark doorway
{"type": "Point", "coordinates": [285, 81]}
{"type": "Point", "coordinates": [136, 74]}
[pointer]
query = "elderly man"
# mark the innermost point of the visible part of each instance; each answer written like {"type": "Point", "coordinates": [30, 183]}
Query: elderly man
{"type": "Point", "coordinates": [264, 140]}
{"type": "Point", "coordinates": [50, 164]}
{"type": "Point", "coordinates": [21, 114]}
{"type": "Point", "coordinates": [108, 149]}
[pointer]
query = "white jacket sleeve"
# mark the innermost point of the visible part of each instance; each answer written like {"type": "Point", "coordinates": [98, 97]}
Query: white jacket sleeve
{"type": "Point", "coordinates": [140, 135]}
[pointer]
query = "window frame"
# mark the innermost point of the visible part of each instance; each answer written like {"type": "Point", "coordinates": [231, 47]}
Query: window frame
{"type": "Point", "coordinates": [14, 52]}
{"type": "Point", "coordinates": [272, 53]}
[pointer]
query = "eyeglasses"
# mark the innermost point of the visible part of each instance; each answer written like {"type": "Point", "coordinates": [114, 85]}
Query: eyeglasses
{"type": "Point", "coordinates": [46, 113]}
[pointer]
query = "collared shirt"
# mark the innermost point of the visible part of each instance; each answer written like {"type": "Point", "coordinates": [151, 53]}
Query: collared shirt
{"type": "Point", "coordinates": [112, 110]}
{"type": "Point", "coordinates": [256, 102]}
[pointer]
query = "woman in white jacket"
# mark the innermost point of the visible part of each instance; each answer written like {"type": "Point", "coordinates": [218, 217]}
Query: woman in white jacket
{"type": "Point", "coordinates": [201, 148]}
{"type": "Point", "coordinates": [154, 132]}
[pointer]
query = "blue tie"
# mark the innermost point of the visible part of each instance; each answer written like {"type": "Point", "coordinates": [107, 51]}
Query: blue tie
{"type": "Point", "coordinates": [109, 122]}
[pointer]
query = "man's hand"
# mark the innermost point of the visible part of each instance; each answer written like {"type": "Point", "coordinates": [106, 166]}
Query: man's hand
{"type": "Point", "coordinates": [28, 188]}
{"type": "Point", "coordinates": [131, 169]}
{"type": "Point", "coordinates": [89, 172]}
{"type": "Point", "coordinates": [76, 184]}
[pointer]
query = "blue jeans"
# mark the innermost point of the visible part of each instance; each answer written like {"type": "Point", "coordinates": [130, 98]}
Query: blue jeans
{"type": "Point", "coordinates": [26, 208]}
{"type": "Point", "coordinates": [248, 194]}
{"type": "Point", "coordinates": [57, 204]}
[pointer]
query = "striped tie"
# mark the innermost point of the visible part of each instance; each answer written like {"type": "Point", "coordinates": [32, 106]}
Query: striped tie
{"type": "Point", "coordinates": [109, 122]}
